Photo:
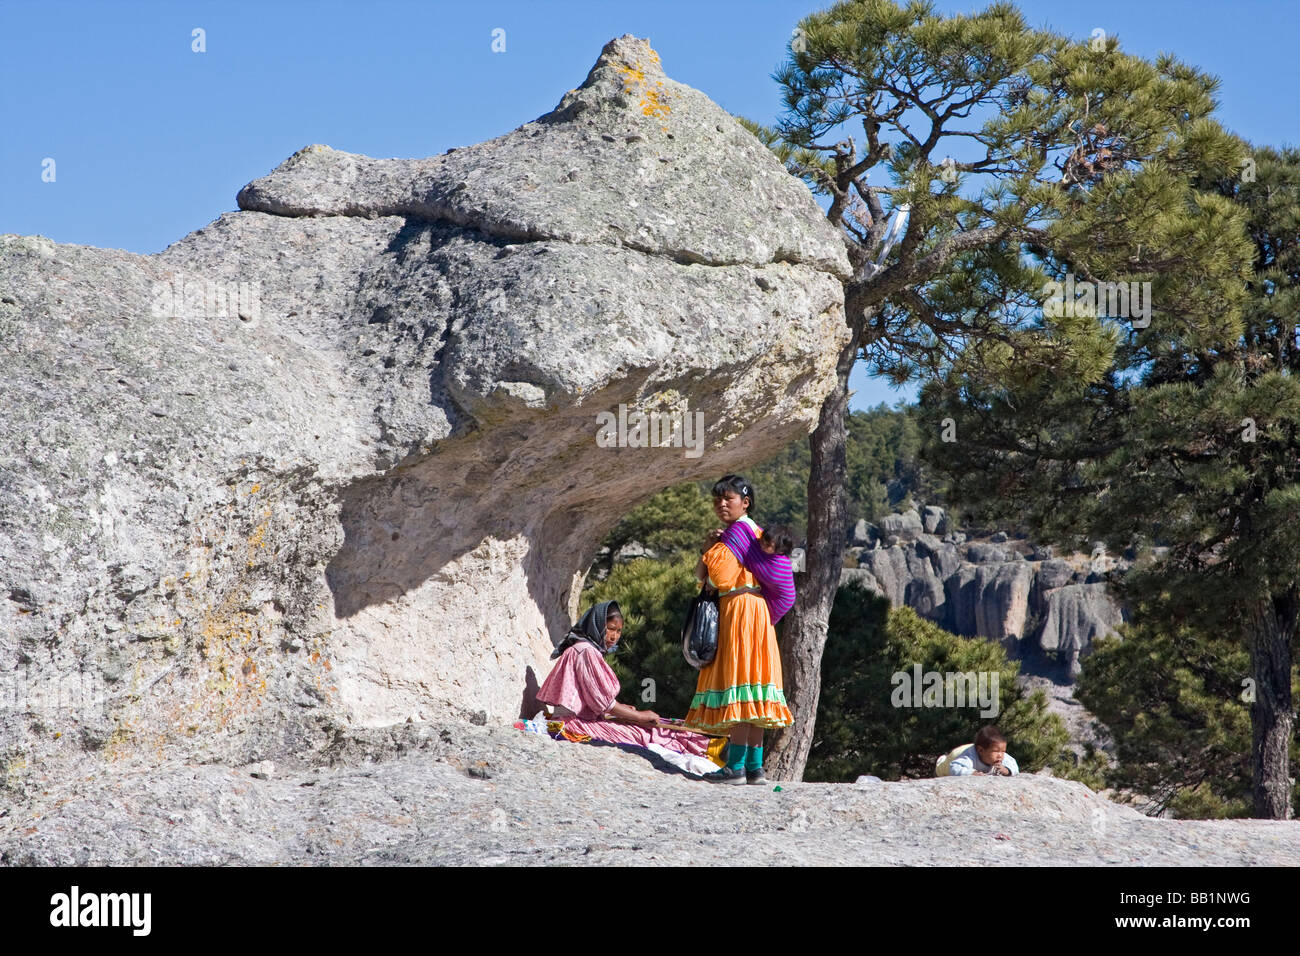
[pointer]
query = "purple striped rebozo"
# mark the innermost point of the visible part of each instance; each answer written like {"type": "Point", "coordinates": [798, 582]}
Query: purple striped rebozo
{"type": "Point", "coordinates": [774, 572]}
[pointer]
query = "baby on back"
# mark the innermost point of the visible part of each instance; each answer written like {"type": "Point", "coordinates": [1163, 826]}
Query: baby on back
{"type": "Point", "coordinates": [765, 555]}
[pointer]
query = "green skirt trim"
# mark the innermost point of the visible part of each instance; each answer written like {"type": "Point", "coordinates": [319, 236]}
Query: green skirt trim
{"type": "Point", "coordinates": [766, 723]}
{"type": "Point", "coordinates": [752, 693]}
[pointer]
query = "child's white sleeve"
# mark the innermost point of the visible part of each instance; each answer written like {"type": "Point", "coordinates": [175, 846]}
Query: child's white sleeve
{"type": "Point", "coordinates": [961, 767]}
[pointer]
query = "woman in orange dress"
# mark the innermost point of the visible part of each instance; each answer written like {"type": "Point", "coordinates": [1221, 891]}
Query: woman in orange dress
{"type": "Point", "coordinates": [740, 692]}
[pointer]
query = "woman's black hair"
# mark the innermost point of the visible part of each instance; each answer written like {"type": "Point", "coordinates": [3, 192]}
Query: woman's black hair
{"type": "Point", "coordinates": [737, 484]}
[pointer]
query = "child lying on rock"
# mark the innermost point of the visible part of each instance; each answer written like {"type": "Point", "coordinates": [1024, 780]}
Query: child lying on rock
{"type": "Point", "coordinates": [987, 755]}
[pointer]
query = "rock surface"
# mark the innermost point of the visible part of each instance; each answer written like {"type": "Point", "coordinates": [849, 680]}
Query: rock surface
{"type": "Point", "coordinates": [458, 794]}
{"type": "Point", "coordinates": [332, 460]}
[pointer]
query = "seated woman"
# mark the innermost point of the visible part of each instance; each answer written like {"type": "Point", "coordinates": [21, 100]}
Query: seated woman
{"type": "Point", "coordinates": [581, 689]}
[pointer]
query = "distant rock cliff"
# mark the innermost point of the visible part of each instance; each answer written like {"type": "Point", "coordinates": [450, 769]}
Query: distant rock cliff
{"type": "Point", "coordinates": [1004, 590]}
{"type": "Point", "coordinates": [331, 460]}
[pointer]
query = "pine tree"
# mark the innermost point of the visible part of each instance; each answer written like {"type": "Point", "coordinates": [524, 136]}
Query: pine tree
{"type": "Point", "coordinates": [675, 519]}
{"type": "Point", "coordinates": [1013, 156]}
{"type": "Point", "coordinates": [1171, 698]}
{"type": "Point", "coordinates": [1190, 442]}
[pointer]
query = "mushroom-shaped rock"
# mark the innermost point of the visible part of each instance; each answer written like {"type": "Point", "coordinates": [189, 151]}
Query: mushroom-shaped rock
{"type": "Point", "coordinates": [344, 455]}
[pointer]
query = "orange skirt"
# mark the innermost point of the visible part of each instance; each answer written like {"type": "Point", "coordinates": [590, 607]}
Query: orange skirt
{"type": "Point", "coordinates": [743, 683]}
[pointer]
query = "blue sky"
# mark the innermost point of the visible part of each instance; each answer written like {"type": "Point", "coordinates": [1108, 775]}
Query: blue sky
{"type": "Point", "coordinates": [153, 140]}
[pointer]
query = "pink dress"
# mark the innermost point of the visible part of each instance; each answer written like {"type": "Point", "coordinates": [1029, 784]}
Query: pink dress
{"type": "Point", "coordinates": [581, 688]}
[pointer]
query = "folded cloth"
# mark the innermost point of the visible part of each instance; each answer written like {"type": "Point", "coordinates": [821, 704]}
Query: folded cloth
{"type": "Point", "coordinates": [575, 736]}
{"type": "Point", "coordinates": [691, 763]}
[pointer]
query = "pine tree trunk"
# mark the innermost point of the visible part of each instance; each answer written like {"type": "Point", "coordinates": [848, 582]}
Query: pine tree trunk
{"type": "Point", "coordinates": [1272, 638]}
{"type": "Point", "coordinates": [804, 629]}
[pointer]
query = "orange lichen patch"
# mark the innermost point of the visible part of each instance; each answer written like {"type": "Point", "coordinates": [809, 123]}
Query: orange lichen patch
{"type": "Point", "coordinates": [234, 686]}
{"type": "Point", "coordinates": [229, 641]}
{"type": "Point", "coordinates": [256, 540]}
{"type": "Point", "coordinates": [632, 76]}
{"type": "Point", "coordinates": [652, 104]}
{"type": "Point", "coordinates": [652, 100]}
{"type": "Point", "coordinates": [118, 741]}
{"type": "Point", "coordinates": [316, 658]}
{"type": "Point", "coordinates": [235, 643]}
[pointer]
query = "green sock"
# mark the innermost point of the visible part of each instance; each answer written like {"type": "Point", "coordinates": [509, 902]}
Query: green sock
{"type": "Point", "coordinates": [737, 756]}
{"type": "Point", "coordinates": [754, 761]}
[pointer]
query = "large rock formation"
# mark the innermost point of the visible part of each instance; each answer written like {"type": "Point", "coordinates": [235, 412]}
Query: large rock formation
{"type": "Point", "coordinates": [989, 588]}
{"type": "Point", "coordinates": [332, 460]}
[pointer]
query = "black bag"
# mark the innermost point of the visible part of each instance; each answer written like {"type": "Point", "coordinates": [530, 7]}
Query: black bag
{"type": "Point", "coordinates": [700, 632]}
